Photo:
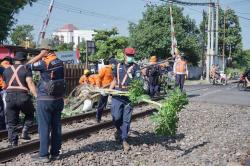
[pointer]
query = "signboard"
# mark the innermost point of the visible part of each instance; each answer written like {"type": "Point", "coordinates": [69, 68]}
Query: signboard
{"type": "Point", "coordinates": [90, 47]}
{"type": "Point", "coordinates": [67, 57]}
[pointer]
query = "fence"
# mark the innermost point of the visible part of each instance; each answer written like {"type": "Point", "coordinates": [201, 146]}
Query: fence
{"type": "Point", "coordinates": [72, 73]}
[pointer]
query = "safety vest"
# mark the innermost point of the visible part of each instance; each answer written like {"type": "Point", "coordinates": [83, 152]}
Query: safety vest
{"type": "Point", "coordinates": [121, 81]}
{"type": "Point", "coordinates": [52, 84]}
{"type": "Point", "coordinates": [181, 66]}
{"type": "Point", "coordinates": [16, 77]}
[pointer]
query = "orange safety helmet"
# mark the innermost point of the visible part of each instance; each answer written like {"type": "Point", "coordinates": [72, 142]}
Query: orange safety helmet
{"type": "Point", "coordinates": [153, 59]}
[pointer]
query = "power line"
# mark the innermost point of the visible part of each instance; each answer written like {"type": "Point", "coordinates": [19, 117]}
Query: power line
{"type": "Point", "coordinates": [73, 9]}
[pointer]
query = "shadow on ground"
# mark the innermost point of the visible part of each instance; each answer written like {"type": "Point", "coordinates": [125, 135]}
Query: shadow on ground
{"type": "Point", "coordinates": [137, 139]}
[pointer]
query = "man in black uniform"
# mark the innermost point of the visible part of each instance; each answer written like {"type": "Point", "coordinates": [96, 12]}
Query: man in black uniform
{"type": "Point", "coordinates": [19, 82]}
{"type": "Point", "coordinates": [153, 76]}
{"type": "Point", "coordinates": [121, 108]}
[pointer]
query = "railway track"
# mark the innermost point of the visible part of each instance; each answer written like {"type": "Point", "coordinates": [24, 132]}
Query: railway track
{"type": "Point", "coordinates": [32, 146]}
{"type": "Point", "coordinates": [76, 118]}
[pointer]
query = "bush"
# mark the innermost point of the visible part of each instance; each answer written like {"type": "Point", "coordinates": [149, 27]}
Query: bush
{"type": "Point", "coordinates": [166, 119]}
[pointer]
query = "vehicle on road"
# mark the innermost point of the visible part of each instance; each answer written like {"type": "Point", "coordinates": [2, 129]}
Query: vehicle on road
{"type": "Point", "coordinates": [242, 83]}
{"type": "Point", "coordinates": [220, 79]}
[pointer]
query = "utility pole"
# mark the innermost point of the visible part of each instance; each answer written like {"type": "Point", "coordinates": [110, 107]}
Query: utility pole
{"type": "Point", "coordinates": [212, 38]}
{"type": "Point", "coordinates": [208, 42]}
{"type": "Point", "coordinates": [217, 30]}
{"type": "Point", "coordinates": [203, 44]}
{"type": "Point", "coordinates": [224, 38]}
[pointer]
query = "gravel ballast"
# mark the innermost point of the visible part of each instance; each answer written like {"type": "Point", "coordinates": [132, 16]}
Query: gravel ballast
{"type": "Point", "coordinates": [208, 134]}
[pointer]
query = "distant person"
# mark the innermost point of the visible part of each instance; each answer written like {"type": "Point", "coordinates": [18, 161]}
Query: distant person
{"type": "Point", "coordinates": [180, 71]}
{"type": "Point", "coordinates": [246, 74]}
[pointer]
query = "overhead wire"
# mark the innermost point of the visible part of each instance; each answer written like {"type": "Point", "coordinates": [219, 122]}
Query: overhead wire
{"type": "Point", "coordinates": [69, 8]}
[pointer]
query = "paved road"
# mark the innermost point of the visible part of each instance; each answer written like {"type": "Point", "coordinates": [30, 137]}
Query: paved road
{"type": "Point", "coordinates": [218, 94]}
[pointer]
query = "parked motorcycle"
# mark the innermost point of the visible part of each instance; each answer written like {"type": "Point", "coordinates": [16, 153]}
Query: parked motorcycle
{"type": "Point", "coordinates": [221, 78]}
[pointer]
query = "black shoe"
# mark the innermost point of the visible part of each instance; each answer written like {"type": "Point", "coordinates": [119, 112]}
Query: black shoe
{"type": "Point", "coordinates": [13, 145]}
{"type": "Point", "coordinates": [25, 134]}
{"type": "Point", "coordinates": [118, 136]}
{"type": "Point", "coordinates": [98, 120]}
{"type": "Point", "coordinates": [37, 158]}
{"type": "Point", "coordinates": [54, 157]}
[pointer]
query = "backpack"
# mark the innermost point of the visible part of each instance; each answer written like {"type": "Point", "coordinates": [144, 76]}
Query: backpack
{"type": "Point", "coordinates": [56, 86]}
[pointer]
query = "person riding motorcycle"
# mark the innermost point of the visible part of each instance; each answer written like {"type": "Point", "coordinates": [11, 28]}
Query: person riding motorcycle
{"type": "Point", "coordinates": [246, 74]}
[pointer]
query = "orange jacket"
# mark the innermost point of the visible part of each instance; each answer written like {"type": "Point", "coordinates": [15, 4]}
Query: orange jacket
{"type": "Point", "coordinates": [92, 80]}
{"type": "Point", "coordinates": [83, 79]}
{"type": "Point", "coordinates": [106, 75]}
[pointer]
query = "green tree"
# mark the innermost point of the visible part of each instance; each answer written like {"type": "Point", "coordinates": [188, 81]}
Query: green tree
{"type": "Point", "coordinates": [8, 9]}
{"type": "Point", "coordinates": [152, 35]}
{"type": "Point", "coordinates": [19, 34]}
{"type": "Point", "coordinates": [233, 38]}
{"type": "Point", "coordinates": [65, 47]}
{"type": "Point", "coordinates": [108, 43]}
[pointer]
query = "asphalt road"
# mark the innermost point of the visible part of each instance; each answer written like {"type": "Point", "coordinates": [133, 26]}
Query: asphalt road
{"type": "Point", "coordinates": [218, 94]}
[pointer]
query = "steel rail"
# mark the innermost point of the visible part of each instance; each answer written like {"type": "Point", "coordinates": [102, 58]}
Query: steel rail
{"type": "Point", "coordinates": [33, 146]}
{"type": "Point", "coordinates": [34, 128]}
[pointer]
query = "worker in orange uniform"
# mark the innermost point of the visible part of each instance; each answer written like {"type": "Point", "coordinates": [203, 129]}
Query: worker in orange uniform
{"type": "Point", "coordinates": [88, 78]}
{"type": "Point", "coordinates": [105, 78]}
{"type": "Point", "coordinates": [5, 63]}
{"type": "Point", "coordinates": [180, 71]}
{"type": "Point", "coordinates": [84, 78]}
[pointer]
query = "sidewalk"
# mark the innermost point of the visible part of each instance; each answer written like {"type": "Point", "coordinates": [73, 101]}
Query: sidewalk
{"type": "Point", "coordinates": [205, 82]}
{"type": "Point", "coordinates": [196, 82]}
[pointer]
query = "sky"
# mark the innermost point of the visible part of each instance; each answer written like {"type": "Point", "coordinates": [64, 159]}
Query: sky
{"type": "Point", "coordinates": [105, 14]}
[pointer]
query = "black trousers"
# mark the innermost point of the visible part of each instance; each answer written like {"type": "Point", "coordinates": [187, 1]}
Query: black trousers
{"type": "Point", "coordinates": [16, 102]}
{"type": "Point", "coordinates": [101, 105]}
{"type": "Point", "coordinates": [2, 115]}
{"type": "Point", "coordinates": [180, 79]}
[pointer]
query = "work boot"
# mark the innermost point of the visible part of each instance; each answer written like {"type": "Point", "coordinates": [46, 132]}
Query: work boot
{"type": "Point", "coordinates": [117, 136]}
{"type": "Point", "coordinates": [25, 134]}
{"type": "Point", "coordinates": [125, 146]}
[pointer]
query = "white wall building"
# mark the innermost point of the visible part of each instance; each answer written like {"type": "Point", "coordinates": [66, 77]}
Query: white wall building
{"type": "Point", "coordinates": [69, 33]}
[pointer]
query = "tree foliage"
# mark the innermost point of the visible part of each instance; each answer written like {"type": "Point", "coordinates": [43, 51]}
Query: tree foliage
{"type": "Point", "coordinates": [65, 47]}
{"type": "Point", "coordinates": [233, 39]}
{"type": "Point", "coordinates": [19, 34]}
{"type": "Point", "coordinates": [8, 9]}
{"type": "Point", "coordinates": [108, 43]}
{"type": "Point", "coordinates": [152, 35]}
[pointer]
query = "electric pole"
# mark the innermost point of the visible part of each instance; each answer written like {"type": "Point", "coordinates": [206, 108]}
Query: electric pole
{"type": "Point", "coordinates": [217, 29]}
{"type": "Point", "coordinates": [224, 38]}
{"type": "Point", "coordinates": [208, 42]}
